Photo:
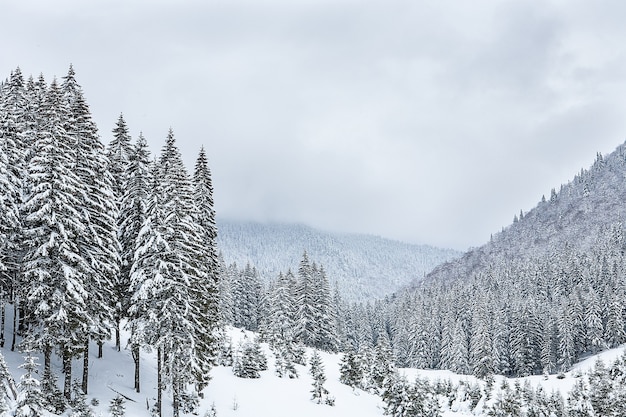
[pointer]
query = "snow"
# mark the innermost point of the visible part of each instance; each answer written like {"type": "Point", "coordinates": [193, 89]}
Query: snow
{"type": "Point", "coordinates": [268, 396]}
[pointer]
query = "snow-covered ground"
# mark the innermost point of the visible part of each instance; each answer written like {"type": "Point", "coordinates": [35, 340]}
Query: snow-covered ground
{"type": "Point", "coordinates": [268, 396]}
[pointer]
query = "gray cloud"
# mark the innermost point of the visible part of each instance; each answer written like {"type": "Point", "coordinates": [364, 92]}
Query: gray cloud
{"type": "Point", "coordinates": [432, 122]}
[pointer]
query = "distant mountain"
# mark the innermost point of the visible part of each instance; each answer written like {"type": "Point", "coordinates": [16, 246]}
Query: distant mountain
{"type": "Point", "coordinates": [365, 267]}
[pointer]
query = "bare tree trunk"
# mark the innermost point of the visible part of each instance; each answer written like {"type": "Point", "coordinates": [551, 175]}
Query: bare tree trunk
{"type": "Point", "coordinates": [3, 322]}
{"type": "Point", "coordinates": [47, 354]}
{"type": "Point", "coordinates": [135, 352]}
{"type": "Point", "coordinates": [67, 370]}
{"type": "Point", "coordinates": [85, 366]}
{"type": "Point", "coordinates": [175, 394]}
{"type": "Point", "coordinates": [100, 344]}
{"type": "Point", "coordinates": [117, 334]}
{"type": "Point", "coordinates": [159, 382]}
{"type": "Point", "coordinates": [15, 314]}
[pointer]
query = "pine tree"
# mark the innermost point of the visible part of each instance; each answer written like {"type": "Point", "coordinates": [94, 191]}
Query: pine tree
{"type": "Point", "coordinates": [98, 245]}
{"type": "Point", "coordinates": [319, 392]}
{"type": "Point", "coordinates": [481, 341]}
{"type": "Point", "coordinates": [54, 268]}
{"type": "Point", "coordinates": [30, 401]}
{"type": "Point", "coordinates": [6, 384]}
{"type": "Point", "coordinates": [325, 319]}
{"type": "Point", "coordinates": [174, 304]}
{"type": "Point", "coordinates": [351, 370]}
{"type": "Point", "coordinates": [281, 318]}
{"type": "Point", "coordinates": [14, 134]}
{"type": "Point", "coordinates": [117, 409]}
{"type": "Point", "coordinates": [119, 152]}
{"type": "Point", "coordinates": [134, 214]}
{"type": "Point", "coordinates": [383, 366]}
{"type": "Point", "coordinates": [249, 360]}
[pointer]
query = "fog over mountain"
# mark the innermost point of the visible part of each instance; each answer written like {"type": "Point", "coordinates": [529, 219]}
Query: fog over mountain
{"type": "Point", "coordinates": [365, 267]}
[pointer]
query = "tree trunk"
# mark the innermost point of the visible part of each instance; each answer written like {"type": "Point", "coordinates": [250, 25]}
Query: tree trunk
{"type": "Point", "coordinates": [15, 314]}
{"type": "Point", "coordinates": [67, 370]}
{"type": "Point", "coordinates": [135, 352]}
{"type": "Point", "coordinates": [100, 344]}
{"type": "Point", "coordinates": [175, 394]}
{"type": "Point", "coordinates": [117, 334]}
{"type": "Point", "coordinates": [159, 382]}
{"type": "Point", "coordinates": [85, 366]}
{"type": "Point", "coordinates": [47, 353]}
{"type": "Point", "coordinates": [3, 322]}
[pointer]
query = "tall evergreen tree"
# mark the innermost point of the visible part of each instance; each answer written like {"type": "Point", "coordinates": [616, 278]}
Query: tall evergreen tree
{"type": "Point", "coordinates": [133, 215]}
{"type": "Point", "coordinates": [54, 268]}
{"type": "Point", "coordinates": [170, 280]}
{"type": "Point", "coordinates": [119, 152]}
{"type": "Point", "coordinates": [98, 245]}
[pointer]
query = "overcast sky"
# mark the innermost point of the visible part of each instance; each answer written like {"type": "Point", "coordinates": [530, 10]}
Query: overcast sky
{"type": "Point", "coordinates": [424, 121]}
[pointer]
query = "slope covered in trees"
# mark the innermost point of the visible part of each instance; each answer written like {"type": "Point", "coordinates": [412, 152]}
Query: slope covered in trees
{"type": "Point", "coordinates": [547, 290]}
{"type": "Point", "coordinates": [365, 267]}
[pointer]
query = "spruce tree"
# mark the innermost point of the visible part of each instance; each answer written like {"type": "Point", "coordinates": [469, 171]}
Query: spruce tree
{"type": "Point", "coordinates": [119, 152]}
{"type": "Point", "coordinates": [30, 401]}
{"type": "Point", "coordinates": [98, 245]}
{"type": "Point", "coordinates": [54, 268]}
{"type": "Point", "coordinates": [133, 215]}
{"type": "Point", "coordinates": [319, 392]}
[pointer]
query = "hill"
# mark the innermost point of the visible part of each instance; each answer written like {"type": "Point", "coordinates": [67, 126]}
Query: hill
{"type": "Point", "coordinates": [365, 267]}
{"type": "Point", "coordinates": [546, 291]}
{"type": "Point", "coordinates": [571, 219]}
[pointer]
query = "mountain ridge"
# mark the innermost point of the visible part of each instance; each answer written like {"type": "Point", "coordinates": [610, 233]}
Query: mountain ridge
{"type": "Point", "coordinates": [365, 267]}
{"type": "Point", "coordinates": [573, 217]}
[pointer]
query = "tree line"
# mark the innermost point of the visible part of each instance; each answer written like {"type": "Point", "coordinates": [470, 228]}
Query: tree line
{"type": "Point", "coordinates": [95, 237]}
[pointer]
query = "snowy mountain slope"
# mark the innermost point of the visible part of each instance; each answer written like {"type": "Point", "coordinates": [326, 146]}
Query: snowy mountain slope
{"type": "Point", "coordinates": [365, 267]}
{"type": "Point", "coordinates": [571, 217]}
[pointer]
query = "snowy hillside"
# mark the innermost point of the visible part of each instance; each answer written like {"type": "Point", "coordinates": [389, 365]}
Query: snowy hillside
{"type": "Point", "coordinates": [366, 267]}
{"type": "Point", "coordinates": [570, 218]}
{"type": "Point", "coordinates": [271, 396]}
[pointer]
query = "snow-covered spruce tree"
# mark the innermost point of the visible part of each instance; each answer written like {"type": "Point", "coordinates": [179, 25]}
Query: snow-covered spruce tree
{"type": "Point", "coordinates": [395, 395]}
{"type": "Point", "coordinates": [249, 360]}
{"type": "Point", "coordinates": [383, 365]}
{"type": "Point", "coordinates": [78, 404]}
{"type": "Point", "coordinates": [6, 384]}
{"type": "Point", "coordinates": [54, 268]}
{"type": "Point", "coordinates": [149, 271]}
{"type": "Point", "coordinates": [578, 404]}
{"type": "Point", "coordinates": [203, 196]}
{"type": "Point", "coordinates": [281, 318]}
{"type": "Point", "coordinates": [326, 339]}
{"type": "Point", "coordinates": [481, 341]}
{"type": "Point", "coordinates": [14, 130]}
{"type": "Point", "coordinates": [98, 245]}
{"type": "Point", "coordinates": [316, 369]}
{"type": "Point", "coordinates": [30, 401]}
{"type": "Point", "coordinates": [168, 274]}
{"type": "Point", "coordinates": [247, 298]}
{"type": "Point", "coordinates": [206, 294]}
{"type": "Point", "coordinates": [133, 215]}
{"type": "Point", "coordinates": [315, 323]}
{"type": "Point", "coordinates": [306, 330]}
{"type": "Point", "coordinates": [116, 408]}
{"type": "Point", "coordinates": [119, 152]}
{"type": "Point", "coordinates": [351, 369]}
